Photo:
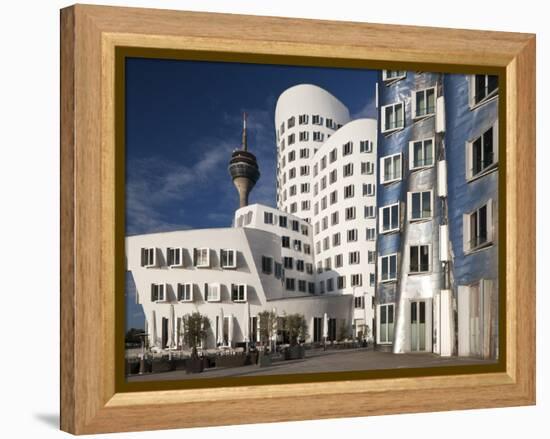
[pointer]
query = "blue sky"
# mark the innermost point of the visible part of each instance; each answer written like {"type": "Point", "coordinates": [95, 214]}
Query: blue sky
{"type": "Point", "coordinates": [184, 118]}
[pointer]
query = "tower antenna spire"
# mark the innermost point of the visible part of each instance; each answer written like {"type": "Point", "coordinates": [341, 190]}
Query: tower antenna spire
{"type": "Point", "coordinates": [244, 145]}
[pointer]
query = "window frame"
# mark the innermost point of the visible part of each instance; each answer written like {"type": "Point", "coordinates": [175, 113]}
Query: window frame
{"type": "Point", "coordinates": [196, 257]}
{"type": "Point", "coordinates": [393, 178]}
{"type": "Point", "coordinates": [381, 278]}
{"type": "Point", "coordinates": [245, 293]}
{"type": "Point", "coordinates": [414, 108]}
{"type": "Point", "coordinates": [383, 128]}
{"type": "Point", "coordinates": [412, 166]}
{"type": "Point", "coordinates": [184, 286]}
{"type": "Point", "coordinates": [430, 255]}
{"type": "Point", "coordinates": [231, 251]}
{"type": "Point", "coordinates": [178, 250]}
{"type": "Point", "coordinates": [164, 292]}
{"type": "Point", "coordinates": [467, 248]}
{"type": "Point", "coordinates": [381, 218]}
{"type": "Point", "coordinates": [387, 339]}
{"type": "Point", "coordinates": [470, 176]}
{"type": "Point", "coordinates": [410, 206]}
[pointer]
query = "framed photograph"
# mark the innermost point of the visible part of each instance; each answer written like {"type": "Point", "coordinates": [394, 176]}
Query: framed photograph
{"type": "Point", "coordinates": [311, 218]}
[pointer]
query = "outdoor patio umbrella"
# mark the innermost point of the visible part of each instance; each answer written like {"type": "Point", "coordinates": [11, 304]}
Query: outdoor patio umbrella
{"type": "Point", "coordinates": [153, 326]}
{"type": "Point", "coordinates": [171, 330]}
{"type": "Point", "coordinates": [230, 331]}
{"type": "Point", "coordinates": [275, 328]}
{"type": "Point", "coordinates": [246, 329]}
{"type": "Point", "coordinates": [220, 328]}
{"type": "Point", "coordinates": [325, 327]}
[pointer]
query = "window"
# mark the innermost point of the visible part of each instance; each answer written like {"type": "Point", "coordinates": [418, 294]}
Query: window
{"type": "Point", "coordinates": [328, 264]}
{"type": "Point", "coordinates": [290, 284]}
{"type": "Point", "coordinates": [291, 156]}
{"type": "Point", "coordinates": [174, 257]}
{"type": "Point", "coordinates": [333, 155]}
{"type": "Point", "coordinates": [371, 280]}
{"type": "Point", "coordinates": [371, 257]}
{"type": "Point", "coordinates": [326, 243]}
{"type": "Point", "coordinates": [423, 103]}
{"type": "Point", "coordinates": [333, 197]}
{"type": "Point", "coordinates": [482, 87]}
{"type": "Point", "coordinates": [323, 162]}
{"type": "Point", "coordinates": [285, 241]}
{"type": "Point", "coordinates": [267, 264]}
{"type": "Point", "coordinates": [393, 117]}
{"type": "Point", "coordinates": [293, 208]}
{"type": "Point", "coordinates": [354, 257]}
{"type": "Point", "coordinates": [370, 212]}
{"type": "Point", "coordinates": [419, 258]}
{"type": "Point", "coordinates": [304, 136]}
{"type": "Point", "coordinates": [347, 148]}
{"type": "Point", "coordinates": [282, 221]}
{"type": "Point", "coordinates": [359, 303]}
{"type": "Point", "coordinates": [295, 225]}
{"type": "Point", "coordinates": [334, 218]}
{"type": "Point", "coordinates": [297, 245]}
{"type": "Point", "coordinates": [329, 123]}
{"type": "Point", "coordinates": [352, 235]}
{"type": "Point", "coordinates": [315, 189]}
{"type": "Point", "coordinates": [318, 136]}
{"type": "Point", "coordinates": [341, 282]}
{"type": "Point", "coordinates": [149, 257]}
{"type": "Point", "coordinates": [228, 258]}
{"type": "Point", "coordinates": [303, 119]}
{"type": "Point", "coordinates": [368, 190]}
{"type": "Point", "coordinates": [421, 153]}
{"type": "Point", "coordinates": [304, 188]}
{"type": "Point", "coordinates": [316, 119]}
{"type": "Point", "coordinates": [393, 75]}
{"type": "Point", "coordinates": [268, 218]}
{"type": "Point", "coordinates": [238, 292]}
{"type": "Point", "coordinates": [315, 170]}
{"type": "Point", "coordinates": [291, 139]}
{"type": "Point", "coordinates": [391, 168]}
{"type": "Point", "coordinates": [288, 262]}
{"type": "Point", "coordinates": [323, 182]}
{"type": "Point", "coordinates": [304, 153]}
{"type": "Point", "coordinates": [324, 223]}
{"type": "Point", "coordinates": [348, 191]}
{"type": "Point", "coordinates": [299, 265]}
{"type": "Point", "coordinates": [307, 249]}
{"type": "Point", "coordinates": [212, 292]}
{"type": "Point", "coordinates": [304, 170]}
{"type": "Point", "coordinates": [282, 129]}
{"type": "Point", "coordinates": [309, 268]}
{"type": "Point", "coordinates": [292, 190]}
{"type": "Point", "coordinates": [367, 168]}
{"type": "Point", "coordinates": [385, 322]}
{"type": "Point", "coordinates": [322, 287]}
{"type": "Point", "coordinates": [323, 203]}
{"type": "Point", "coordinates": [302, 284]}
{"type": "Point", "coordinates": [420, 205]}
{"type": "Point", "coordinates": [320, 267]}
{"type": "Point", "coordinates": [185, 292]}
{"type": "Point", "coordinates": [389, 218]}
{"type": "Point", "coordinates": [336, 239]}
{"type": "Point", "coordinates": [338, 260]}
{"type": "Point", "coordinates": [348, 170]}
{"type": "Point", "coordinates": [305, 205]}
{"type": "Point", "coordinates": [304, 230]}
{"type": "Point", "coordinates": [388, 268]}
{"type": "Point", "coordinates": [311, 288]}
{"type": "Point", "coordinates": [371, 234]}
{"type": "Point", "coordinates": [158, 292]}
{"type": "Point", "coordinates": [202, 257]}
{"type": "Point", "coordinates": [333, 176]}
{"type": "Point", "coordinates": [291, 122]}
{"type": "Point", "coordinates": [278, 270]}
{"type": "Point", "coordinates": [292, 173]}
{"type": "Point", "coordinates": [350, 213]}
{"type": "Point", "coordinates": [356, 280]}
{"type": "Point", "coordinates": [478, 227]}
{"type": "Point", "coordinates": [330, 287]}
{"type": "Point", "coordinates": [365, 146]}
{"type": "Point", "coordinates": [482, 153]}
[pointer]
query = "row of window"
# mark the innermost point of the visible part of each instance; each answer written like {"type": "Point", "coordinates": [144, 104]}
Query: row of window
{"type": "Point", "coordinates": [151, 257]}
{"type": "Point", "coordinates": [282, 221]}
{"type": "Point", "coordinates": [304, 119]}
{"type": "Point", "coordinates": [297, 245]}
{"type": "Point", "coordinates": [352, 235]}
{"type": "Point", "coordinates": [420, 207]}
{"type": "Point", "coordinates": [186, 292]}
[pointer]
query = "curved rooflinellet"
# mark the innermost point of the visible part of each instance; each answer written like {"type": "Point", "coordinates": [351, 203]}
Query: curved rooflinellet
{"type": "Point", "coordinates": [310, 99]}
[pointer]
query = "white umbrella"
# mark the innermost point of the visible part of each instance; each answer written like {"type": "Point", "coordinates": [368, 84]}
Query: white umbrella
{"type": "Point", "coordinates": [275, 328]}
{"type": "Point", "coordinates": [325, 326]}
{"type": "Point", "coordinates": [153, 328]}
{"type": "Point", "coordinates": [220, 328]}
{"type": "Point", "coordinates": [171, 330]}
{"type": "Point", "coordinates": [246, 328]}
{"type": "Point", "coordinates": [230, 331]}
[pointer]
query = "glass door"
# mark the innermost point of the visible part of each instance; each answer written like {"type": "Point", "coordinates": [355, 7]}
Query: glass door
{"type": "Point", "coordinates": [418, 326]}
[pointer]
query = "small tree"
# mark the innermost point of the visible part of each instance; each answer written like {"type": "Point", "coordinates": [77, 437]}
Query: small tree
{"type": "Point", "coordinates": [268, 322]}
{"type": "Point", "coordinates": [343, 330]}
{"type": "Point", "coordinates": [195, 328]}
{"type": "Point", "coordinates": [296, 326]}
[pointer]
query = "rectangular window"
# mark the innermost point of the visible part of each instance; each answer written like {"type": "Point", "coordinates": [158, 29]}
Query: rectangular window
{"type": "Point", "coordinates": [419, 258]}
{"type": "Point", "coordinates": [303, 119]}
{"type": "Point", "coordinates": [285, 241]}
{"type": "Point", "coordinates": [356, 280]}
{"type": "Point", "coordinates": [318, 136]}
{"type": "Point", "coordinates": [304, 136]}
{"type": "Point", "coordinates": [290, 284]}
{"type": "Point", "coordinates": [278, 270]}
{"type": "Point", "coordinates": [292, 190]}
{"type": "Point", "coordinates": [390, 168]}
{"type": "Point", "coordinates": [267, 264]}
{"type": "Point", "coordinates": [282, 221]}
{"type": "Point", "coordinates": [305, 205]}
{"type": "Point", "coordinates": [333, 197]}
{"type": "Point", "coordinates": [268, 218]}
{"type": "Point", "coordinates": [358, 302]}
{"type": "Point", "coordinates": [368, 190]}
{"type": "Point", "coordinates": [304, 230]}
{"type": "Point", "coordinates": [421, 153]}
{"type": "Point", "coordinates": [202, 257]}
{"type": "Point", "coordinates": [300, 265]}
{"type": "Point", "coordinates": [326, 243]}
{"type": "Point", "coordinates": [482, 153]}
{"type": "Point", "coordinates": [330, 286]}
{"type": "Point", "coordinates": [185, 292]}
{"type": "Point", "coordinates": [352, 235]}
{"type": "Point", "coordinates": [297, 245]}
{"type": "Point", "coordinates": [238, 292]}
{"type": "Point", "coordinates": [354, 257]}
{"type": "Point", "coordinates": [295, 225]}
{"type": "Point", "coordinates": [304, 152]}
{"type": "Point", "coordinates": [388, 268]}
{"type": "Point", "coordinates": [333, 155]}
{"type": "Point", "coordinates": [311, 288]}
{"type": "Point", "coordinates": [347, 148]}
{"type": "Point", "coordinates": [291, 139]}
{"type": "Point", "coordinates": [370, 212]}
{"type": "Point", "coordinates": [316, 119]}
{"type": "Point", "coordinates": [338, 260]}
{"type": "Point", "coordinates": [482, 88]}
{"type": "Point", "coordinates": [304, 188]}
{"type": "Point", "coordinates": [348, 170]}
{"type": "Point", "coordinates": [367, 168]}
{"type": "Point", "coordinates": [420, 205]}
{"type": "Point", "coordinates": [149, 257]}
{"type": "Point", "coordinates": [228, 258]}
{"type": "Point", "coordinates": [288, 262]}
{"type": "Point", "coordinates": [478, 227]}
{"type": "Point", "coordinates": [348, 191]}
{"type": "Point", "coordinates": [174, 256]}
{"type": "Point", "coordinates": [302, 285]}
{"type": "Point", "coordinates": [372, 280]}
{"type": "Point", "coordinates": [423, 103]}
{"type": "Point", "coordinates": [304, 170]}
{"type": "Point", "coordinates": [333, 176]}
{"type": "Point", "coordinates": [158, 292]}
{"type": "Point", "coordinates": [371, 257]}
{"type": "Point", "coordinates": [341, 282]}
{"type": "Point", "coordinates": [307, 249]}
{"type": "Point", "coordinates": [291, 156]}
{"type": "Point", "coordinates": [365, 146]}
{"type": "Point", "coordinates": [371, 234]}
{"type": "Point", "coordinates": [389, 218]}
{"type": "Point", "coordinates": [292, 173]}
{"type": "Point", "coordinates": [350, 213]}
{"type": "Point", "coordinates": [393, 75]}
{"type": "Point", "coordinates": [291, 122]}
{"type": "Point", "coordinates": [392, 117]}
{"type": "Point", "coordinates": [212, 292]}
{"type": "Point", "coordinates": [334, 218]}
{"type": "Point", "coordinates": [309, 268]}
{"type": "Point", "coordinates": [328, 264]}
{"type": "Point", "coordinates": [385, 323]}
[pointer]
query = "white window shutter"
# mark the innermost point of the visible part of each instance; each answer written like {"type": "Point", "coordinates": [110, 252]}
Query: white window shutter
{"type": "Point", "coordinates": [495, 142]}
{"type": "Point", "coordinates": [490, 223]}
{"type": "Point", "coordinates": [465, 233]}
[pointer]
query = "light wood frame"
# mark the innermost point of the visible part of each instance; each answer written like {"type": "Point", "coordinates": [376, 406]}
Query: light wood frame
{"type": "Point", "coordinates": [89, 35]}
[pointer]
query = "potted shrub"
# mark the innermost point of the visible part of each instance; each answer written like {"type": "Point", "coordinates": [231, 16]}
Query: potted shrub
{"type": "Point", "coordinates": [296, 326]}
{"type": "Point", "coordinates": [195, 328]}
{"type": "Point", "coordinates": [267, 328]}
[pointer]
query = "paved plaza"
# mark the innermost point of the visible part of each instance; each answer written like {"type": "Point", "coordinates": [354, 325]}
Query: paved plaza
{"type": "Point", "coordinates": [317, 361]}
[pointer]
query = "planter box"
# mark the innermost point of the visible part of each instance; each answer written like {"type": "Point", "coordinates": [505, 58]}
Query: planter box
{"type": "Point", "coordinates": [251, 358]}
{"type": "Point", "coordinates": [179, 364]}
{"type": "Point", "coordinates": [194, 365]}
{"type": "Point", "coordinates": [264, 360]}
{"type": "Point", "coordinates": [295, 353]}
{"type": "Point", "coordinates": [161, 366]}
{"type": "Point", "coordinates": [231, 360]}
{"type": "Point", "coordinates": [132, 367]}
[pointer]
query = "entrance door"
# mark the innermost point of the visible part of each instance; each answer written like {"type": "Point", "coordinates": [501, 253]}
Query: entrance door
{"type": "Point", "coordinates": [418, 326]}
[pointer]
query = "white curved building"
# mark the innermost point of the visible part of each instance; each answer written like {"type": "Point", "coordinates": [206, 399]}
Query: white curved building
{"type": "Point", "coordinates": [326, 174]}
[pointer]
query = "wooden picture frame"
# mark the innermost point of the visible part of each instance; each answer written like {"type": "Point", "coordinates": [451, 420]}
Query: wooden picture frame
{"type": "Point", "coordinates": [90, 35]}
